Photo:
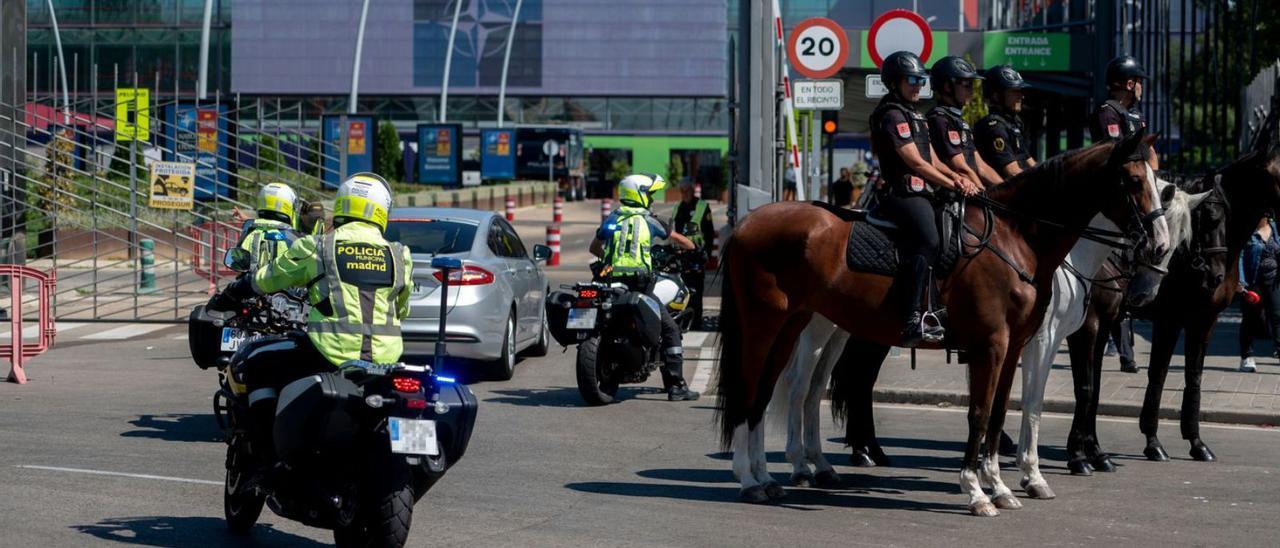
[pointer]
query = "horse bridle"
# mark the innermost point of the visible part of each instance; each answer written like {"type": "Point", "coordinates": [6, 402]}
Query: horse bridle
{"type": "Point", "coordinates": [1199, 253]}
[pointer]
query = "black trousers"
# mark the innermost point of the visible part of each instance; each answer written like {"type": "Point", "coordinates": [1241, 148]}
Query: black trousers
{"type": "Point", "coordinates": [672, 351]}
{"type": "Point", "coordinates": [1122, 336]}
{"type": "Point", "coordinates": [917, 241]}
{"type": "Point", "coordinates": [1261, 318]}
{"type": "Point", "coordinates": [696, 282]}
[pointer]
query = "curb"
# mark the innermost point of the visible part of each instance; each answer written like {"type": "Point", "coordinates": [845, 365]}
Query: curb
{"type": "Point", "coordinates": [960, 399]}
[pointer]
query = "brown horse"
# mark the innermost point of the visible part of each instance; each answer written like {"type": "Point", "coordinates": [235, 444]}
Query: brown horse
{"type": "Point", "coordinates": [786, 261]}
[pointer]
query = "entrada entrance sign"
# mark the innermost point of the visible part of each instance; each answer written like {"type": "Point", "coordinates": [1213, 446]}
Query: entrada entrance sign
{"type": "Point", "coordinates": [1027, 50]}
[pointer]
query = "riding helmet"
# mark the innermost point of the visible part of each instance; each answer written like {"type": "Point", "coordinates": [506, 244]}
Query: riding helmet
{"type": "Point", "coordinates": [953, 67]}
{"type": "Point", "coordinates": [1002, 77]}
{"type": "Point", "coordinates": [899, 65]}
{"type": "Point", "coordinates": [1124, 68]}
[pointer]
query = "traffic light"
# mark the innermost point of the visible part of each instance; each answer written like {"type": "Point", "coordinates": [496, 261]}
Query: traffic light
{"type": "Point", "coordinates": [830, 122]}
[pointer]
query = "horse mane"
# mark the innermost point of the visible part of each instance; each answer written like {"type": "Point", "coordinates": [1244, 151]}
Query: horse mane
{"type": "Point", "coordinates": [1043, 185]}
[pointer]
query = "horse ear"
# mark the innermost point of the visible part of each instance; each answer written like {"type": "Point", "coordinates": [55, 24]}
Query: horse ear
{"type": "Point", "coordinates": [1150, 140]}
{"type": "Point", "coordinates": [1124, 150]}
{"type": "Point", "coordinates": [1167, 192]}
{"type": "Point", "coordinates": [1194, 200]}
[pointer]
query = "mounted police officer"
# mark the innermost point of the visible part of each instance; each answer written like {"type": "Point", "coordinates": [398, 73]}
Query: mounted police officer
{"type": "Point", "coordinates": [900, 138]}
{"type": "Point", "coordinates": [692, 218]}
{"type": "Point", "coordinates": [952, 138]}
{"type": "Point", "coordinates": [358, 284]}
{"type": "Point", "coordinates": [1001, 139]}
{"type": "Point", "coordinates": [623, 243]}
{"type": "Point", "coordinates": [1114, 119]}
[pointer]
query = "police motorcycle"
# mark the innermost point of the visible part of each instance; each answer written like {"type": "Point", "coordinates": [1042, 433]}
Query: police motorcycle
{"type": "Point", "coordinates": [671, 265]}
{"type": "Point", "coordinates": [618, 331]}
{"type": "Point", "coordinates": [356, 448]}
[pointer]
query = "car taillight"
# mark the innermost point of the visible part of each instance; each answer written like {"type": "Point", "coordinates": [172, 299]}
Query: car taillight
{"type": "Point", "coordinates": [406, 384]}
{"type": "Point", "coordinates": [469, 275]}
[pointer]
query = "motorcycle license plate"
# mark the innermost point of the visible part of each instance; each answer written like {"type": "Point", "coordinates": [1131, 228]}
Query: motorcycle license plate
{"type": "Point", "coordinates": [581, 318]}
{"type": "Point", "coordinates": [412, 436]}
{"type": "Point", "coordinates": [232, 338]}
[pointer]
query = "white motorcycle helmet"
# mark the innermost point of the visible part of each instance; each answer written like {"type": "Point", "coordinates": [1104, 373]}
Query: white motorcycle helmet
{"type": "Point", "coordinates": [365, 197]}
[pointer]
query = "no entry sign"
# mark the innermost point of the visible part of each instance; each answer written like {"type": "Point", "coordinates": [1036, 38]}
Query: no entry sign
{"type": "Point", "coordinates": [899, 30]}
{"type": "Point", "coordinates": [818, 47]}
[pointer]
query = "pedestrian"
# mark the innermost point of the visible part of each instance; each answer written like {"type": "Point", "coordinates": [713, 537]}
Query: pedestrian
{"type": "Point", "coordinates": [1116, 118]}
{"type": "Point", "coordinates": [842, 189]}
{"type": "Point", "coordinates": [951, 136]}
{"type": "Point", "coordinates": [900, 138]}
{"type": "Point", "coordinates": [1000, 137]}
{"type": "Point", "coordinates": [789, 184]}
{"type": "Point", "coordinates": [1261, 310]}
{"type": "Point", "coordinates": [692, 218]}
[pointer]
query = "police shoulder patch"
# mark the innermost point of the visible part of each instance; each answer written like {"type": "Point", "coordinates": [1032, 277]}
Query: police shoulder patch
{"type": "Point", "coordinates": [998, 144]}
{"type": "Point", "coordinates": [953, 137]}
{"type": "Point", "coordinates": [1113, 130]}
{"type": "Point", "coordinates": [904, 130]}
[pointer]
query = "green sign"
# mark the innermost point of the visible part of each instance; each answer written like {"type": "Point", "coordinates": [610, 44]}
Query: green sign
{"type": "Point", "coordinates": [1027, 50]}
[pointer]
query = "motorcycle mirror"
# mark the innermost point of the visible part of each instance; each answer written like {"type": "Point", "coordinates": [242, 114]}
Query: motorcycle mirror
{"type": "Point", "coordinates": [541, 252]}
{"type": "Point", "coordinates": [237, 259]}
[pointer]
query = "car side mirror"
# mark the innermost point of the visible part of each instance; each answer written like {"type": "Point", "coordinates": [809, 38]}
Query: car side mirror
{"type": "Point", "coordinates": [237, 259]}
{"type": "Point", "coordinates": [541, 252]}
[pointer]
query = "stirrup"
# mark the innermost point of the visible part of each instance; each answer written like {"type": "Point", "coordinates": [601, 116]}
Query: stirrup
{"type": "Point", "coordinates": [931, 329]}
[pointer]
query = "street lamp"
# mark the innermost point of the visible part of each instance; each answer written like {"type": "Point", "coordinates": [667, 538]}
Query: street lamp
{"type": "Point", "coordinates": [355, 69]}
{"type": "Point", "coordinates": [506, 60]}
{"type": "Point", "coordinates": [202, 85]}
{"type": "Point", "coordinates": [62, 66]}
{"type": "Point", "coordinates": [448, 59]}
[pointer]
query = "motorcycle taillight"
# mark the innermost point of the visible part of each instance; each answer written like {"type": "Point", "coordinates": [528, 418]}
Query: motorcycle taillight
{"type": "Point", "coordinates": [408, 385]}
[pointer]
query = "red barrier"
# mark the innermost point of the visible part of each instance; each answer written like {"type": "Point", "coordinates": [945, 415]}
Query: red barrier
{"type": "Point", "coordinates": [557, 210]}
{"type": "Point", "coordinates": [17, 351]}
{"type": "Point", "coordinates": [606, 207]}
{"type": "Point", "coordinates": [511, 208]}
{"type": "Point", "coordinates": [553, 242]}
{"type": "Point", "coordinates": [211, 243]}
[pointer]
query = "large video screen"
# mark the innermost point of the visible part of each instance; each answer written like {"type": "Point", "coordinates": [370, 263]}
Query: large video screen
{"type": "Point", "coordinates": [561, 47]}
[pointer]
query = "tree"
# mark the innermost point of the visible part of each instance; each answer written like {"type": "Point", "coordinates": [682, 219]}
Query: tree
{"type": "Point", "coordinates": [675, 169]}
{"type": "Point", "coordinates": [389, 162]}
{"type": "Point", "coordinates": [269, 157]}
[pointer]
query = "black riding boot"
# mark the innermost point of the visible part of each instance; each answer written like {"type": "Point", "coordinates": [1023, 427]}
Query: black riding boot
{"type": "Point", "coordinates": [913, 277]}
{"type": "Point", "coordinates": [673, 379]}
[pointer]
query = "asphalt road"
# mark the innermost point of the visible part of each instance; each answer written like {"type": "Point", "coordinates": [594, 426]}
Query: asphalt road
{"type": "Point", "coordinates": [543, 470]}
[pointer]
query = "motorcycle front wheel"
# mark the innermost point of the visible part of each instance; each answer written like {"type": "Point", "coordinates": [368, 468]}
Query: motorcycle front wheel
{"type": "Point", "coordinates": [594, 386]}
{"type": "Point", "coordinates": [240, 506]}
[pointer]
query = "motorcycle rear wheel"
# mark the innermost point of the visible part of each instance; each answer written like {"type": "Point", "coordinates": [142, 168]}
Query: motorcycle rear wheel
{"type": "Point", "coordinates": [594, 388]}
{"type": "Point", "coordinates": [241, 508]}
{"type": "Point", "coordinates": [386, 508]}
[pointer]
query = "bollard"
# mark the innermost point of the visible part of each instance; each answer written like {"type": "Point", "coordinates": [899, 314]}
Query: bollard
{"type": "Point", "coordinates": [606, 207]}
{"type": "Point", "coordinates": [553, 242]}
{"type": "Point", "coordinates": [713, 259]}
{"type": "Point", "coordinates": [511, 208]}
{"type": "Point", "coordinates": [697, 190]}
{"type": "Point", "coordinates": [456, 200]}
{"type": "Point", "coordinates": [557, 210]}
{"type": "Point", "coordinates": [147, 282]}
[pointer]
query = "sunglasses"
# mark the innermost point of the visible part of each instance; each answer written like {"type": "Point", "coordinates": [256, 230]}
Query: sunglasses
{"type": "Point", "coordinates": [967, 84]}
{"type": "Point", "coordinates": [916, 80]}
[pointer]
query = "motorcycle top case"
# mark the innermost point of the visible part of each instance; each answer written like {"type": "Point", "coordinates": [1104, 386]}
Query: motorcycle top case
{"type": "Point", "coordinates": [558, 305]}
{"type": "Point", "coordinates": [205, 340]}
{"type": "Point", "coordinates": [643, 310]}
{"type": "Point", "coordinates": [311, 414]}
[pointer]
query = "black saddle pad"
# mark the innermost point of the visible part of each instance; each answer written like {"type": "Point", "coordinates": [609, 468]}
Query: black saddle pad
{"type": "Point", "coordinates": [871, 249]}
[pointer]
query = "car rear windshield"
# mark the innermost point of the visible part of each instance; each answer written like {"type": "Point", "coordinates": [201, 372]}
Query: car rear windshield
{"type": "Point", "coordinates": [432, 236]}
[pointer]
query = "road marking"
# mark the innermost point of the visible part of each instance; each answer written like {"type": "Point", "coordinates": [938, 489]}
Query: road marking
{"type": "Point", "coordinates": [702, 376]}
{"type": "Point", "coordinates": [118, 474]}
{"type": "Point", "coordinates": [181, 337]}
{"type": "Point", "coordinates": [695, 339]}
{"type": "Point", "coordinates": [30, 331]}
{"type": "Point", "coordinates": [127, 331]}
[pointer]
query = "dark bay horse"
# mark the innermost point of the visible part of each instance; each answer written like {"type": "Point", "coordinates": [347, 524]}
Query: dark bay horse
{"type": "Point", "coordinates": [1202, 281]}
{"type": "Point", "coordinates": [786, 261]}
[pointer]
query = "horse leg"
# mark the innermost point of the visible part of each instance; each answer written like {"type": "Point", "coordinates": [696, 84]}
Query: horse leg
{"type": "Point", "coordinates": [795, 387]}
{"type": "Point", "coordinates": [984, 367]}
{"type": "Point", "coordinates": [1163, 338]}
{"type": "Point", "coordinates": [751, 490]}
{"type": "Point", "coordinates": [1037, 360]}
{"type": "Point", "coordinates": [1081, 346]}
{"type": "Point", "coordinates": [869, 357]}
{"type": "Point", "coordinates": [825, 475]}
{"type": "Point", "coordinates": [775, 362]}
{"type": "Point", "coordinates": [1092, 447]}
{"type": "Point", "coordinates": [1001, 495]}
{"type": "Point", "coordinates": [1198, 336]}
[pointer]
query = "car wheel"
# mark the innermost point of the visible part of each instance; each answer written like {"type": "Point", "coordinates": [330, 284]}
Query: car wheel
{"type": "Point", "coordinates": [505, 366]}
{"type": "Point", "coordinates": [540, 348]}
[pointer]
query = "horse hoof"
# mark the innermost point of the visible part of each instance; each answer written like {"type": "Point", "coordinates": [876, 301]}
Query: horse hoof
{"type": "Point", "coordinates": [1007, 502]}
{"type": "Point", "coordinates": [754, 495]}
{"type": "Point", "coordinates": [827, 479]}
{"type": "Point", "coordinates": [1156, 452]}
{"type": "Point", "coordinates": [1039, 491]}
{"type": "Point", "coordinates": [1102, 463]}
{"type": "Point", "coordinates": [878, 456]}
{"type": "Point", "coordinates": [1080, 467]}
{"type": "Point", "coordinates": [802, 479]}
{"type": "Point", "coordinates": [774, 491]}
{"type": "Point", "coordinates": [984, 510]}
{"type": "Point", "coordinates": [1201, 452]}
{"type": "Point", "coordinates": [861, 459]}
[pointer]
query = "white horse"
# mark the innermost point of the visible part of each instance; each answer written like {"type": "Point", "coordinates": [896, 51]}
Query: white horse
{"type": "Point", "coordinates": [803, 384]}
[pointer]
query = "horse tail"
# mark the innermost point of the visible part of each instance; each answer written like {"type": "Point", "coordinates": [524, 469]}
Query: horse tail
{"type": "Point", "coordinates": [844, 384]}
{"type": "Point", "coordinates": [731, 408]}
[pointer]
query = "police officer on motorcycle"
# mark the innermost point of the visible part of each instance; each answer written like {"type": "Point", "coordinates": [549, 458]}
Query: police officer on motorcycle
{"type": "Point", "coordinates": [277, 213]}
{"type": "Point", "coordinates": [692, 218]}
{"type": "Point", "coordinates": [900, 138]}
{"type": "Point", "coordinates": [1001, 139]}
{"type": "Point", "coordinates": [623, 243]}
{"type": "Point", "coordinates": [358, 284]}
{"type": "Point", "coordinates": [951, 136]}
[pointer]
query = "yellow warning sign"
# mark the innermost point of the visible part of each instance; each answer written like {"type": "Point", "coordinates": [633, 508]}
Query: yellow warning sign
{"type": "Point", "coordinates": [133, 114]}
{"type": "Point", "coordinates": [173, 185]}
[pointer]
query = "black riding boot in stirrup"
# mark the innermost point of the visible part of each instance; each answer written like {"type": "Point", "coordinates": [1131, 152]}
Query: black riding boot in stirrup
{"type": "Point", "coordinates": [914, 277]}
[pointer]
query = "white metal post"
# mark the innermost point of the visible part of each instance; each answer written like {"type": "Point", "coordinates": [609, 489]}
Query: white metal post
{"type": "Point", "coordinates": [355, 68]}
{"type": "Point", "coordinates": [202, 86]}
{"type": "Point", "coordinates": [506, 60]}
{"type": "Point", "coordinates": [448, 60]}
{"type": "Point", "coordinates": [62, 66]}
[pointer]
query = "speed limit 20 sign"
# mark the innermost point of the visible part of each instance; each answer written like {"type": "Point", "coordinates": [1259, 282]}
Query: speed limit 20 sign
{"type": "Point", "coordinates": [818, 47]}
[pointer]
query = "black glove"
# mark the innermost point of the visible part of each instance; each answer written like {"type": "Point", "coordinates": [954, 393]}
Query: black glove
{"type": "Point", "coordinates": [231, 296]}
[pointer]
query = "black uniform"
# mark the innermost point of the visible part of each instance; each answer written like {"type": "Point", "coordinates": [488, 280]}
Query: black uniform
{"type": "Point", "coordinates": [696, 280]}
{"type": "Point", "coordinates": [1110, 122]}
{"type": "Point", "coordinates": [907, 198]}
{"type": "Point", "coordinates": [951, 135]}
{"type": "Point", "coordinates": [1001, 140]}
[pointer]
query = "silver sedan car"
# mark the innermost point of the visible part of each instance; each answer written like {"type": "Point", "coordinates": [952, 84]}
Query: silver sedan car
{"type": "Point", "coordinates": [495, 302]}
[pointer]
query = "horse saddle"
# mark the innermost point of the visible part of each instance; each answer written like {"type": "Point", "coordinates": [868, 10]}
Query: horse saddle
{"type": "Point", "coordinates": [871, 247]}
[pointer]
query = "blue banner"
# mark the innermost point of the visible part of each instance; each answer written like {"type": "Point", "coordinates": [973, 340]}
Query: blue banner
{"type": "Point", "coordinates": [497, 154]}
{"type": "Point", "coordinates": [200, 136]}
{"type": "Point", "coordinates": [440, 154]}
{"type": "Point", "coordinates": [360, 138]}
